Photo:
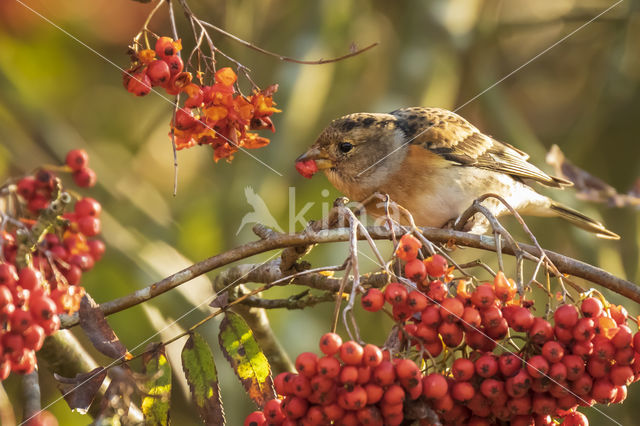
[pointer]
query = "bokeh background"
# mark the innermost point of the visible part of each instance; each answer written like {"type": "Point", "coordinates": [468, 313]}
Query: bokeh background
{"type": "Point", "coordinates": [56, 94]}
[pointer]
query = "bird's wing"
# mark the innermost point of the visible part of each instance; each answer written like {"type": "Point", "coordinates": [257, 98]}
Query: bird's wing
{"type": "Point", "coordinates": [455, 139]}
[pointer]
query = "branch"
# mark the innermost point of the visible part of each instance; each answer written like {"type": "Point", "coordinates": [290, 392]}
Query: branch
{"type": "Point", "coordinates": [354, 52]}
{"type": "Point", "coordinates": [31, 395]}
{"type": "Point", "coordinates": [565, 265]}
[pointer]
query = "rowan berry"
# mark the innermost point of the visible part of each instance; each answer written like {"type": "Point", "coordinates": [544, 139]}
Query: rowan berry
{"type": "Point", "coordinates": [486, 366]}
{"type": "Point", "coordinates": [85, 177]}
{"type": "Point", "coordinates": [351, 353]}
{"type": "Point", "coordinates": [307, 364]}
{"type": "Point", "coordinates": [462, 391]}
{"type": "Point", "coordinates": [415, 270]}
{"type": "Point", "coordinates": [257, 418]}
{"type": "Point", "coordinates": [436, 265]}
{"type": "Point", "coordinates": [451, 309]}
{"type": "Point", "coordinates": [408, 247]}
{"type": "Point", "coordinates": [166, 46]}
{"type": "Point", "coordinates": [330, 343]}
{"type": "Point", "coordinates": [371, 355]}
{"type": "Point", "coordinates": [395, 293]}
{"type": "Point", "coordinates": [77, 159]}
{"type": "Point", "coordinates": [372, 300]}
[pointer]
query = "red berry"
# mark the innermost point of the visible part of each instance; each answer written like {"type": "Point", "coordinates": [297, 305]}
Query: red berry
{"type": "Point", "coordinates": [522, 319]}
{"type": "Point", "coordinates": [462, 391]}
{"type": "Point", "coordinates": [394, 395]}
{"type": "Point", "coordinates": [185, 119]}
{"type": "Point", "coordinates": [582, 385]}
{"type": "Point", "coordinates": [552, 351]}
{"type": "Point", "coordinates": [87, 207]}
{"type": "Point", "coordinates": [295, 407]}
{"type": "Point", "coordinates": [43, 308]}
{"type": "Point", "coordinates": [20, 321]}
{"type": "Point", "coordinates": [462, 369]}
{"type": "Point", "coordinates": [33, 337]}
{"type": "Point", "coordinates": [307, 364]}
{"type": "Point", "coordinates": [483, 296]}
{"type": "Point", "coordinates": [618, 313]}
{"type": "Point", "coordinates": [491, 317]}
{"type": "Point", "coordinates": [395, 293]}
{"type": "Point", "coordinates": [471, 317]}
{"type": "Point", "coordinates": [430, 317]}
{"type": "Point", "coordinates": [537, 366]}
{"type": "Point", "coordinates": [372, 300]}
{"type": "Point", "coordinates": [139, 84]}
{"type": "Point", "coordinates": [273, 411]}
{"type": "Point", "coordinates": [89, 226]}
{"type": "Point", "coordinates": [282, 383]}
{"type": "Point", "coordinates": [451, 309]}
{"type": "Point", "coordinates": [97, 249]}
{"type": "Point", "coordinates": [5, 296]}
{"type": "Point", "coordinates": [416, 301]}
{"type": "Point", "coordinates": [540, 331]}
{"type": "Point", "coordinates": [77, 159]}
{"type": "Point", "coordinates": [622, 338]}
{"type": "Point", "coordinates": [584, 330]}
{"type": "Point", "coordinates": [434, 386]}
{"type": "Point", "coordinates": [486, 366]}
{"type": "Point", "coordinates": [330, 343]}
{"type": "Point", "coordinates": [85, 177]}
{"type": "Point", "coordinates": [408, 247]}
{"type": "Point", "coordinates": [257, 418]}
{"type": "Point", "coordinates": [566, 316]}
{"type": "Point", "coordinates": [384, 374]}
{"type": "Point", "coordinates": [371, 355]}
{"type": "Point", "coordinates": [307, 168]}
{"type": "Point", "coordinates": [175, 64]}
{"type": "Point", "coordinates": [352, 399]}
{"type": "Point", "coordinates": [26, 187]}
{"type": "Point", "coordinates": [603, 391]}
{"type": "Point", "coordinates": [348, 375]}
{"type": "Point", "coordinates": [158, 72]}
{"type": "Point", "coordinates": [591, 307]}
{"type": "Point", "coordinates": [415, 270]}
{"type": "Point", "coordinates": [492, 388]}
{"type": "Point", "coordinates": [8, 274]}
{"type": "Point", "coordinates": [328, 366]}
{"type": "Point", "coordinates": [575, 366]}
{"type": "Point", "coordinates": [575, 418]}
{"type": "Point", "coordinates": [165, 46]}
{"type": "Point", "coordinates": [351, 353]}
{"type": "Point", "coordinates": [451, 333]}
{"type": "Point", "coordinates": [436, 265]}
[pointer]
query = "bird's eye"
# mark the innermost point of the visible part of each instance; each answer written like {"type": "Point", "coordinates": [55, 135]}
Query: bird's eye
{"type": "Point", "coordinates": [345, 146]}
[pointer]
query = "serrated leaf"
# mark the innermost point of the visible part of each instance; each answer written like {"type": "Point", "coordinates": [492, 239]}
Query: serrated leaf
{"type": "Point", "coordinates": [155, 406]}
{"type": "Point", "coordinates": [248, 361]}
{"type": "Point", "coordinates": [200, 370]}
{"type": "Point", "coordinates": [99, 331]}
{"type": "Point", "coordinates": [80, 391]}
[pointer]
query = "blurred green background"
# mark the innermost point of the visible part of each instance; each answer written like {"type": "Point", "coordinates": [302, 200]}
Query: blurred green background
{"type": "Point", "coordinates": [56, 94]}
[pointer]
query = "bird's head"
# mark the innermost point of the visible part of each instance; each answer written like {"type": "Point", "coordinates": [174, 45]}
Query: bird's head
{"type": "Point", "coordinates": [356, 151]}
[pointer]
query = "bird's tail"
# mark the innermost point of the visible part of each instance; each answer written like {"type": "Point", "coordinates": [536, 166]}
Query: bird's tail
{"type": "Point", "coordinates": [582, 221]}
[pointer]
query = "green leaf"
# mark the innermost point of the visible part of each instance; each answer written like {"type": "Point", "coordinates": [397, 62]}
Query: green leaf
{"type": "Point", "coordinates": [155, 406]}
{"type": "Point", "coordinates": [250, 364]}
{"type": "Point", "coordinates": [200, 370]}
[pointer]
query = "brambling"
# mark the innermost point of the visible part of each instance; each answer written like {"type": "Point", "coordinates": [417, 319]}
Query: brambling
{"type": "Point", "coordinates": [435, 164]}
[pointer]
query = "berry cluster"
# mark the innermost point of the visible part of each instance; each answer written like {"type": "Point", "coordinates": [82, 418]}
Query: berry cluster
{"type": "Point", "coordinates": [42, 260]}
{"type": "Point", "coordinates": [37, 190]}
{"type": "Point", "coordinates": [350, 385]}
{"type": "Point", "coordinates": [214, 115]}
{"type": "Point", "coordinates": [586, 357]}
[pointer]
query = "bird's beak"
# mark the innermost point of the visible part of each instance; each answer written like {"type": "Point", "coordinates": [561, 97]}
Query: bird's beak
{"type": "Point", "coordinates": [321, 159]}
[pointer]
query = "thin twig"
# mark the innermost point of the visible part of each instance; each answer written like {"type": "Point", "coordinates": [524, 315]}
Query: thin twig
{"type": "Point", "coordinates": [286, 58]}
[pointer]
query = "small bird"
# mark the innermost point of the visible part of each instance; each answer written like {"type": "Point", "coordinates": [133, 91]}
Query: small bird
{"type": "Point", "coordinates": [434, 163]}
